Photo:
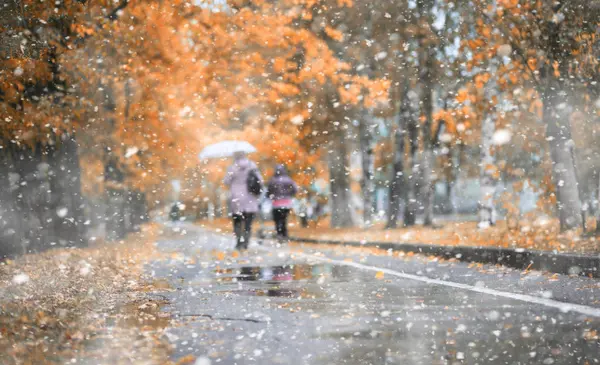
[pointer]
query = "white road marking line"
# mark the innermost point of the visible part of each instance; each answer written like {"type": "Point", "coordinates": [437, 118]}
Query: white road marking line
{"type": "Point", "coordinates": [562, 306]}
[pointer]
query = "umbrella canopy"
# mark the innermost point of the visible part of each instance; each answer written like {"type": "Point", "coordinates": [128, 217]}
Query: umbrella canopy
{"type": "Point", "coordinates": [226, 149]}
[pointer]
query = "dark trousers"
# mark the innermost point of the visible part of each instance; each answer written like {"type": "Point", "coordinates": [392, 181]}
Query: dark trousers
{"type": "Point", "coordinates": [304, 221]}
{"type": "Point", "coordinates": [242, 227]}
{"type": "Point", "coordinates": [280, 216]}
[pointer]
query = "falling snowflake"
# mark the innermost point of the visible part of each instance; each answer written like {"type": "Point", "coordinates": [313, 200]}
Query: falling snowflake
{"type": "Point", "coordinates": [85, 269]}
{"type": "Point", "coordinates": [297, 120]}
{"type": "Point", "coordinates": [380, 56]}
{"type": "Point", "coordinates": [131, 151]}
{"type": "Point", "coordinates": [504, 50]}
{"type": "Point", "coordinates": [501, 137]}
{"type": "Point", "coordinates": [203, 360]}
{"type": "Point", "coordinates": [20, 279]}
{"type": "Point", "coordinates": [445, 138]}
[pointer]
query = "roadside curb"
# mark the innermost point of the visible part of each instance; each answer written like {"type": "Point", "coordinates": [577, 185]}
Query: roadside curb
{"type": "Point", "coordinates": [560, 263]}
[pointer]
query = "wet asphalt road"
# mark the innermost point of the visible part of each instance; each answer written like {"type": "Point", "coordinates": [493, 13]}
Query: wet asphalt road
{"type": "Point", "coordinates": [292, 305]}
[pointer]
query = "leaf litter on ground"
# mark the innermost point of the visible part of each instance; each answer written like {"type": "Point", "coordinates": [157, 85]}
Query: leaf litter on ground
{"type": "Point", "coordinates": [83, 305]}
{"type": "Point", "coordinates": [535, 234]}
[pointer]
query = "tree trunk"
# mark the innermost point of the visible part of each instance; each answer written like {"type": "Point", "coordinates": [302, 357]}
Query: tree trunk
{"type": "Point", "coordinates": [428, 156]}
{"type": "Point", "coordinates": [487, 210]}
{"type": "Point", "coordinates": [114, 174]}
{"type": "Point", "coordinates": [33, 194]}
{"type": "Point", "coordinates": [9, 218]}
{"type": "Point", "coordinates": [411, 206]}
{"type": "Point", "coordinates": [428, 159]}
{"type": "Point", "coordinates": [341, 205]}
{"type": "Point", "coordinates": [115, 214]}
{"type": "Point", "coordinates": [65, 182]}
{"type": "Point", "coordinates": [368, 167]}
{"type": "Point", "coordinates": [397, 189]}
{"type": "Point", "coordinates": [449, 188]}
{"type": "Point", "coordinates": [116, 196]}
{"type": "Point", "coordinates": [598, 207]}
{"type": "Point", "coordinates": [139, 208]}
{"type": "Point", "coordinates": [128, 211]}
{"type": "Point", "coordinates": [558, 133]}
{"type": "Point", "coordinates": [557, 114]}
{"type": "Point", "coordinates": [42, 195]}
{"type": "Point", "coordinates": [366, 136]}
{"type": "Point", "coordinates": [487, 170]}
{"type": "Point", "coordinates": [397, 184]}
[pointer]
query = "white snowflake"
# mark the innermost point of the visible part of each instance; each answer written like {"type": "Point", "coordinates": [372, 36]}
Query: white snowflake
{"type": "Point", "coordinates": [203, 360]}
{"type": "Point", "coordinates": [380, 56]}
{"type": "Point", "coordinates": [297, 120]}
{"type": "Point", "coordinates": [20, 279]}
{"type": "Point", "coordinates": [501, 137]}
{"type": "Point", "coordinates": [504, 50]}
{"type": "Point", "coordinates": [131, 151]}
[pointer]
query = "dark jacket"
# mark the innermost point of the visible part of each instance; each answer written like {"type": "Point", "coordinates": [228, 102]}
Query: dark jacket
{"type": "Point", "coordinates": [281, 189]}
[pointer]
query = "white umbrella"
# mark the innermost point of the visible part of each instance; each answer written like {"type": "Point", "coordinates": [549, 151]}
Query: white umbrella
{"type": "Point", "coordinates": [226, 149]}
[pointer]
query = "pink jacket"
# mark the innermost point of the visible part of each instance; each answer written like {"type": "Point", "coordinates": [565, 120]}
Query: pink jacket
{"type": "Point", "coordinates": [240, 200]}
{"type": "Point", "coordinates": [281, 189]}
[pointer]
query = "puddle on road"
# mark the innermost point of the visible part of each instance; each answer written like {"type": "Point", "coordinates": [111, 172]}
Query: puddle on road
{"type": "Point", "coordinates": [283, 273]}
{"type": "Point", "coordinates": [284, 281]}
{"type": "Point", "coordinates": [273, 292]}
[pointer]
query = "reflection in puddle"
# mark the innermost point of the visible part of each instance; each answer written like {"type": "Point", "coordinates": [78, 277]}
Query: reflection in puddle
{"type": "Point", "coordinates": [278, 273]}
{"type": "Point", "coordinates": [278, 281]}
{"type": "Point", "coordinates": [272, 292]}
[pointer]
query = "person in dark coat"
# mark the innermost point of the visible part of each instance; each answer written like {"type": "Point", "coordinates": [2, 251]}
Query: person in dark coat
{"type": "Point", "coordinates": [281, 190]}
{"type": "Point", "coordinates": [175, 213]}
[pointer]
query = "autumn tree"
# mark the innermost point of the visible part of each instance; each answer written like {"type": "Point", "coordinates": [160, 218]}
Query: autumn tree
{"type": "Point", "coordinates": [298, 83]}
{"type": "Point", "coordinates": [551, 47]}
{"type": "Point", "coordinates": [41, 199]}
{"type": "Point", "coordinates": [86, 70]}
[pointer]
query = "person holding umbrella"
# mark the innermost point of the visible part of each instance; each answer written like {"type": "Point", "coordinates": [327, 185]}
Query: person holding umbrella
{"type": "Point", "coordinates": [245, 187]}
{"type": "Point", "coordinates": [281, 190]}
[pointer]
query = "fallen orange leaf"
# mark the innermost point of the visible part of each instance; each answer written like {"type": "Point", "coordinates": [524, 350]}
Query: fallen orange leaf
{"type": "Point", "coordinates": [188, 359]}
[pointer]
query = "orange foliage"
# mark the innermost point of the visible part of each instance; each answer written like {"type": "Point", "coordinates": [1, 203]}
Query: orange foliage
{"type": "Point", "coordinates": [155, 82]}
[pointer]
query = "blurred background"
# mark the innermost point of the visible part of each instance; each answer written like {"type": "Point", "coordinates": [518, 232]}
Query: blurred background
{"type": "Point", "coordinates": [386, 113]}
